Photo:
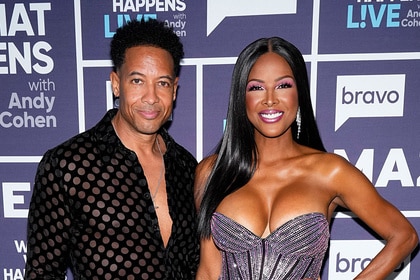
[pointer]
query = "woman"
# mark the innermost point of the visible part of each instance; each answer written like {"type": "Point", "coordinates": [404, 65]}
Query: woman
{"type": "Point", "coordinates": [267, 196]}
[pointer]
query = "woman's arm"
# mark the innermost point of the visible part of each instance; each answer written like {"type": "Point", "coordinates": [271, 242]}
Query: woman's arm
{"type": "Point", "coordinates": [356, 192]}
{"type": "Point", "coordinates": [210, 256]}
{"type": "Point", "coordinates": [210, 261]}
{"type": "Point", "coordinates": [202, 173]}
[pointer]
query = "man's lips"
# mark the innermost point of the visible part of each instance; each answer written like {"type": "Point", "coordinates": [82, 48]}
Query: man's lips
{"type": "Point", "coordinates": [148, 114]}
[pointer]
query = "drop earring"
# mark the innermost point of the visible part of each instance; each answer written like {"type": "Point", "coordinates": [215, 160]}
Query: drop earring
{"type": "Point", "coordinates": [298, 122]}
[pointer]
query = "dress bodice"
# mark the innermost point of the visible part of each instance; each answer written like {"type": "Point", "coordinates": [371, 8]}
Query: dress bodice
{"type": "Point", "coordinates": [295, 250]}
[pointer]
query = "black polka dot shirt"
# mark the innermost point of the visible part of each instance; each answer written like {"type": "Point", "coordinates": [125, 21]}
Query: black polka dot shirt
{"type": "Point", "coordinates": [91, 210]}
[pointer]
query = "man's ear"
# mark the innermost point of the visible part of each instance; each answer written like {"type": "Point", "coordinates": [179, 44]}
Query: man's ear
{"type": "Point", "coordinates": [175, 88]}
{"type": "Point", "coordinates": [115, 83]}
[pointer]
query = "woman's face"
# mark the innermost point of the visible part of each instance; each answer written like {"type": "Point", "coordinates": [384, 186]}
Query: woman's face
{"type": "Point", "coordinates": [271, 96]}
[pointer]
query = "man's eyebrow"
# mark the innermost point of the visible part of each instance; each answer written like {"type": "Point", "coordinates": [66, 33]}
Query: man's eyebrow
{"type": "Point", "coordinates": [169, 77]}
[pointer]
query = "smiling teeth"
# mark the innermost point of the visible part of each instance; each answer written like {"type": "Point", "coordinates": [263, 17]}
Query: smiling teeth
{"type": "Point", "coordinates": [272, 115]}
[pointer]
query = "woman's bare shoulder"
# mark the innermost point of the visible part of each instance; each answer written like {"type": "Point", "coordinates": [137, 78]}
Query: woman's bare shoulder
{"type": "Point", "coordinates": [320, 159]}
{"type": "Point", "coordinates": [202, 173]}
{"type": "Point", "coordinates": [326, 168]}
{"type": "Point", "coordinates": [206, 164]}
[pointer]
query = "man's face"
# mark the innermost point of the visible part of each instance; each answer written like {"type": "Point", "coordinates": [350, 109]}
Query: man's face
{"type": "Point", "coordinates": [146, 86]}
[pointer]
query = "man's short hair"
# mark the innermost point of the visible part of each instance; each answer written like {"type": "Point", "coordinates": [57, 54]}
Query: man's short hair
{"type": "Point", "coordinates": [146, 33]}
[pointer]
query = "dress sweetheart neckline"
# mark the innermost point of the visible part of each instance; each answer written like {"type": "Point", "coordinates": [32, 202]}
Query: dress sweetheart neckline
{"type": "Point", "coordinates": [298, 217]}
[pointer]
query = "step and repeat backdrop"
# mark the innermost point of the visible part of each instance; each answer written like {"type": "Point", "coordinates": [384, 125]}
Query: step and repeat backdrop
{"type": "Point", "coordinates": [363, 59]}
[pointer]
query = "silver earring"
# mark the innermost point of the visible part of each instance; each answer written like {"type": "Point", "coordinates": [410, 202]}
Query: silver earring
{"type": "Point", "coordinates": [298, 122]}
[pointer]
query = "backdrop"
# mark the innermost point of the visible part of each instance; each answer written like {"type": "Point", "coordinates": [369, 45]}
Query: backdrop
{"type": "Point", "coordinates": [362, 57]}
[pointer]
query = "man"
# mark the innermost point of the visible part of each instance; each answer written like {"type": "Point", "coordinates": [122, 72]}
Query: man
{"type": "Point", "coordinates": [116, 202]}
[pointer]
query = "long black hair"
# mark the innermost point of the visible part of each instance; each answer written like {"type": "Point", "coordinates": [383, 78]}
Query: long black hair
{"type": "Point", "coordinates": [237, 151]}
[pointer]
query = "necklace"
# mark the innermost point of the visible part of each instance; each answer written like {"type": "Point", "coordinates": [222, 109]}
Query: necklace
{"type": "Point", "coordinates": [161, 173]}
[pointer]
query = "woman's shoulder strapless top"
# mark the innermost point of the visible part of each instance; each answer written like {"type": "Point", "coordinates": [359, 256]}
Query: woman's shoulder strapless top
{"type": "Point", "coordinates": [295, 250]}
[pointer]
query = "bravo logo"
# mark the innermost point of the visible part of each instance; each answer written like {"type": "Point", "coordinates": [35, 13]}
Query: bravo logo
{"type": "Point", "coordinates": [217, 10]}
{"type": "Point", "coordinates": [369, 96]}
{"type": "Point", "coordinates": [349, 257]}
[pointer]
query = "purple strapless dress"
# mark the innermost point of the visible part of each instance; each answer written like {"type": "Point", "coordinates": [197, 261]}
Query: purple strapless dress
{"type": "Point", "coordinates": [295, 250]}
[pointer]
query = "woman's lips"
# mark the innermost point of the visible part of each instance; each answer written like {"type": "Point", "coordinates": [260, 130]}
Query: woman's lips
{"type": "Point", "coordinates": [271, 116]}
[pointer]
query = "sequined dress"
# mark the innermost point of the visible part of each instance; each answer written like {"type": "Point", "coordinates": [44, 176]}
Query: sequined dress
{"type": "Point", "coordinates": [295, 250]}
